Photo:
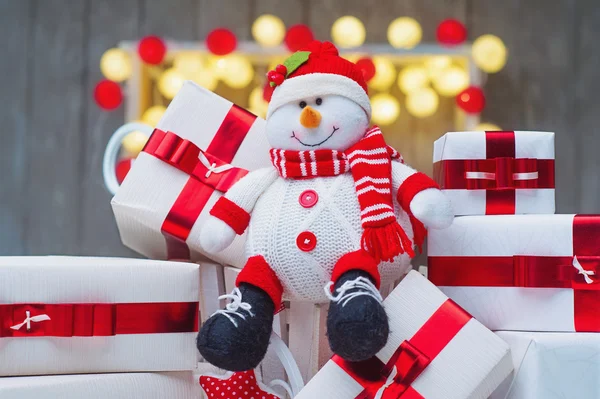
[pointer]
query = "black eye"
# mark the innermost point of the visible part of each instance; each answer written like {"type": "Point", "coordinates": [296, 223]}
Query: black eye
{"type": "Point", "coordinates": [302, 104]}
{"type": "Point", "coordinates": [319, 101]}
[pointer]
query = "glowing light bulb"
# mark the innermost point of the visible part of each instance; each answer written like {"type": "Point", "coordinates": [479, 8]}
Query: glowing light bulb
{"type": "Point", "coordinates": [489, 53]}
{"type": "Point", "coordinates": [404, 32]}
{"type": "Point", "coordinates": [115, 65]}
{"type": "Point", "coordinates": [436, 65]}
{"type": "Point", "coordinates": [206, 78]}
{"type": "Point", "coordinates": [236, 71]}
{"type": "Point", "coordinates": [385, 109]}
{"type": "Point", "coordinates": [134, 142]}
{"type": "Point", "coordinates": [268, 30]}
{"type": "Point", "coordinates": [412, 78]}
{"type": "Point", "coordinates": [423, 102]}
{"type": "Point", "coordinates": [153, 115]}
{"type": "Point", "coordinates": [170, 82]}
{"type": "Point", "coordinates": [188, 64]}
{"type": "Point", "coordinates": [385, 73]}
{"type": "Point", "coordinates": [487, 127]}
{"type": "Point", "coordinates": [452, 81]}
{"type": "Point", "coordinates": [348, 32]}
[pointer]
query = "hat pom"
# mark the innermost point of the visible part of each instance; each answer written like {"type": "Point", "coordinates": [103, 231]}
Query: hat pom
{"type": "Point", "coordinates": [320, 49]}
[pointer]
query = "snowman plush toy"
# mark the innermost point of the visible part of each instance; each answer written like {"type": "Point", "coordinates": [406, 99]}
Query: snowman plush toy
{"type": "Point", "coordinates": [337, 213]}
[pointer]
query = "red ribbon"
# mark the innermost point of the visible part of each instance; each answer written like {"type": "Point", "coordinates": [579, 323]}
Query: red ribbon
{"type": "Point", "coordinates": [97, 319]}
{"type": "Point", "coordinates": [500, 174]}
{"type": "Point", "coordinates": [204, 179]}
{"type": "Point", "coordinates": [536, 272]}
{"type": "Point", "coordinates": [410, 359]}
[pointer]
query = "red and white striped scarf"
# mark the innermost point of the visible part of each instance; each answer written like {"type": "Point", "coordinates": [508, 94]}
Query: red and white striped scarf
{"type": "Point", "coordinates": [369, 160]}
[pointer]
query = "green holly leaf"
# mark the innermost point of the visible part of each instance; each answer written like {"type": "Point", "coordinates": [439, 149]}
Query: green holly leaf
{"type": "Point", "coordinates": [294, 61]}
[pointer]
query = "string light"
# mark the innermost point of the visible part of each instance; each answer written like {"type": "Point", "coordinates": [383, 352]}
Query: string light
{"type": "Point", "coordinates": [385, 74]}
{"type": "Point", "coordinates": [108, 94]}
{"type": "Point", "coordinates": [206, 78]}
{"type": "Point", "coordinates": [115, 65]}
{"type": "Point", "coordinates": [235, 70]}
{"type": "Point", "coordinates": [348, 32]}
{"type": "Point", "coordinates": [170, 82]}
{"type": "Point", "coordinates": [153, 115]}
{"type": "Point", "coordinates": [188, 64]}
{"type": "Point", "coordinates": [134, 142]}
{"type": "Point", "coordinates": [412, 78]}
{"type": "Point", "coordinates": [268, 30]}
{"type": "Point", "coordinates": [487, 127]}
{"type": "Point", "coordinates": [489, 53]}
{"type": "Point", "coordinates": [436, 65]}
{"type": "Point", "coordinates": [423, 102]}
{"type": "Point", "coordinates": [385, 109]}
{"type": "Point", "coordinates": [404, 32]}
{"type": "Point", "coordinates": [452, 81]}
{"type": "Point", "coordinates": [258, 105]}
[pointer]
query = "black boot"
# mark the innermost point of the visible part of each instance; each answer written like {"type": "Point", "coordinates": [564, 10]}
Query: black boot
{"type": "Point", "coordinates": [237, 338]}
{"type": "Point", "coordinates": [357, 325]}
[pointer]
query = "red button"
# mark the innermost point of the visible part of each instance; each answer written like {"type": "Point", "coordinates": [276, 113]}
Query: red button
{"type": "Point", "coordinates": [306, 241]}
{"type": "Point", "coordinates": [308, 198]}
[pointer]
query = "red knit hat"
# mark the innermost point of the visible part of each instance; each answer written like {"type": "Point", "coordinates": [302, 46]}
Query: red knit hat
{"type": "Point", "coordinates": [317, 70]}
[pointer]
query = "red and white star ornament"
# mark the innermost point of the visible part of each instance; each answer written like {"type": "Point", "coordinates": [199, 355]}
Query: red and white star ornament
{"type": "Point", "coordinates": [237, 385]}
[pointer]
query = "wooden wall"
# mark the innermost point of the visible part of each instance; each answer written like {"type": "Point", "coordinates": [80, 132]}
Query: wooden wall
{"type": "Point", "coordinates": [52, 199]}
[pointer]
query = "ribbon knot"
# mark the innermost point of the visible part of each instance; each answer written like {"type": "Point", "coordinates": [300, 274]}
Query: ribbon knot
{"type": "Point", "coordinates": [586, 273]}
{"type": "Point", "coordinates": [502, 171]}
{"type": "Point", "coordinates": [212, 167]}
{"type": "Point", "coordinates": [29, 319]}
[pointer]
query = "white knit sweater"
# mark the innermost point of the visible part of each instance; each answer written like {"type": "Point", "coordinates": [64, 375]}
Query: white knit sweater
{"type": "Point", "coordinates": [277, 218]}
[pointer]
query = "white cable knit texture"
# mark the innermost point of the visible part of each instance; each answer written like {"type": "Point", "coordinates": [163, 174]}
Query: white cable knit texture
{"type": "Point", "coordinates": [365, 286]}
{"type": "Point", "coordinates": [233, 308]}
{"type": "Point", "coordinates": [278, 218]}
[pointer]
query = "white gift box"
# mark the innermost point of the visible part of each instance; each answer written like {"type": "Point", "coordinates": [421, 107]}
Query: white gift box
{"type": "Point", "coordinates": [66, 315]}
{"type": "Point", "coordinates": [521, 272]}
{"type": "Point", "coordinates": [496, 172]}
{"type": "Point", "coordinates": [201, 146]}
{"type": "Point", "coordinates": [441, 352]}
{"type": "Point", "coordinates": [173, 385]}
{"type": "Point", "coordinates": [552, 366]}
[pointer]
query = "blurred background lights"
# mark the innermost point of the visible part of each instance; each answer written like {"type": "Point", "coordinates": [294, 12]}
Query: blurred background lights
{"type": "Point", "coordinates": [436, 65]}
{"type": "Point", "coordinates": [404, 32]}
{"type": "Point", "coordinates": [487, 127]}
{"type": "Point", "coordinates": [236, 71]}
{"type": "Point", "coordinates": [348, 32]}
{"type": "Point", "coordinates": [115, 65]}
{"type": "Point", "coordinates": [153, 115]}
{"type": "Point", "coordinates": [257, 103]}
{"type": "Point", "coordinates": [134, 142]}
{"type": "Point", "coordinates": [489, 53]}
{"type": "Point", "coordinates": [423, 102]}
{"type": "Point", "coordinates": [188, 64]}
{"type": "Point", "coordinates": [268, 30]}
{"type": "Point", "coordinates": [385, 109]}
{"type": "Point", "coordinates": [206, 78]}
{"type": "Point", "coordinates": [412, 78]}
{"type": "Point", "coordinates": [170, 82]}
{"type": "Point", "coordinates": [385, 73]}
{"type": "Point", "coordinates": [451, 81]}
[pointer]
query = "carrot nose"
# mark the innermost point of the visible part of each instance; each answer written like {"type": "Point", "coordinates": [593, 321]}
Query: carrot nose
{"type": "Point", "coordinates": [310, 117]}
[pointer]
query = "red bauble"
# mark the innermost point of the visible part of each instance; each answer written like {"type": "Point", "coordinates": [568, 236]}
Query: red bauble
{"type": "Point", "coordinates": [298, 37]}
{"type": "Point", "coordinates": [367, 66]}
{"type": "Point", "coordinates": [221, 41]}
{"type": "Point", "coordinates": [108, 94]}
{"type": "Point", "coordinates": [152, 50]}
{"type": "Point", "coordinates": [471, 100]}
{"type": "Point", "coordinates": [122, 168]}
{"type": "Point", "coordinates": [451, 32]}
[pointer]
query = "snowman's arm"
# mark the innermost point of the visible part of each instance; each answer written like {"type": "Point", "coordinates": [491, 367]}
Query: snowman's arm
{"type": "Point", "coordinates": [235, 207]}
{"type": "Point", "coordinates": [420, 197]}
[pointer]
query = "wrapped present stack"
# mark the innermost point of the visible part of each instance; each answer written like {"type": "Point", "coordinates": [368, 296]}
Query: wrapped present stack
{"type": "Point", "coordinates": [518, 268]}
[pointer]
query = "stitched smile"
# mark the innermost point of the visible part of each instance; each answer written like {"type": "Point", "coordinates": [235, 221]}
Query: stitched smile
{"type": "Point", "coordinates": [335, 129]}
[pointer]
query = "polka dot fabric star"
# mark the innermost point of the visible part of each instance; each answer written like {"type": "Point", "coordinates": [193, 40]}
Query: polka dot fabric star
{"type": "Point", "coordinates": [239, 385]}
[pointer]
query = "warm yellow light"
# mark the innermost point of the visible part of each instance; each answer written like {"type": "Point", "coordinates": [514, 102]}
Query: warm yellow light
{"type": "Point", "coordinates": [274, 62]}
{"type": "Point", "coordinates": [385, 73]}
{"type": "Point", "coordinates": [385, 109]}
{"type": "Point", "coordinates": [235, 70]}
{"type": "Point", "coordinates": [153, 115]}
{"type": "Point", "coordinates": [423, 102]}
{"type": "Point", "coordinates": [348, 32]}
{"type": "Point", "coordinates": [258, 105]}
{"type": "Point", "coordinates": [206, 78]}
{"type": "Point", "coordinates": [134, 142]}
{"type": "Point", "coordinates": [487, 127]}
{"type": "Point", "coordinates": [412, 78]}
{"type": "Point", "coordinates": [489, 53]}
{"type": "Point", "coordinates": [404, 32]}
{"type": "Point", "coordinates": [268, 30]}
{"type": "Point", "coordinates": [170, 82]}
{"type": "Point", "coordinates": [452, 81]}
{"type": "Point", "coordinates": [115, 65]}
{"type": "Point", "coordinates": [188, 64]}
{"type": "Point", "coordinates": [436, 65]}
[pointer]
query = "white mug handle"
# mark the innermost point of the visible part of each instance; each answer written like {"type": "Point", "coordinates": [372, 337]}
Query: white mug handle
{"type": "Point", "coordinates": [289, 364]}
{"type": "Point", "coordinates": [112, 151]}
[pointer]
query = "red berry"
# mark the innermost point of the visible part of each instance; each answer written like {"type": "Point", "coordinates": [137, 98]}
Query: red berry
{"type": "Point", "coordinates": [108, 94]}
{"type": "Point", "coordinates": [281, 69]}
{"type": "Point", "coordinates": [451, 32]}
{"type": "Point", "coordinates": [221, 41]}
{"type": "Point", "coordinates": [152, 50]}
{"type": "Point", "coordinates": [297, 37]}
{"type": "Point", "coordinates": [471, 100]}
{"type": "Point", "coordinates": [278, 79]}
